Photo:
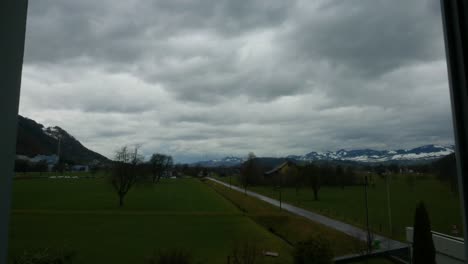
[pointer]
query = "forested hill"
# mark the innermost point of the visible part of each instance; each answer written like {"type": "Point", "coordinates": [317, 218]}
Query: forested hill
{"type": "Point", "coordinates": [34, 139]}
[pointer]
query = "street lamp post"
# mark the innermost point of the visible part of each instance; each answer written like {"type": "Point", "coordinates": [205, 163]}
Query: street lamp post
{"type": "Point", "coordinates": [388, 204]}
{"type": "Point", "coordinates": [280, 194]}
{"type": "Point", "coordinates": [369, 237]}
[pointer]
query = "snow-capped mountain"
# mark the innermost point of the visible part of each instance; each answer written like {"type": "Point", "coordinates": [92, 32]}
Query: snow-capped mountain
{"type": "Point", "coordinates": [423, 153]}
{"type": "Point", "coordinates": [224, 162]}
{"type": "Point", "coordinates": [427, 152]}
{"type": "Point", "coordinates": [34, 139]}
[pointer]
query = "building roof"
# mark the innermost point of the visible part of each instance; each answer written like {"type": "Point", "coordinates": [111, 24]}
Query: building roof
{"type": "Point", "coordinates": [49, 159]}
{"type": "Point", "coordinates": [279, 167]}
{"type": "Point", "coordinates": [22, 157]}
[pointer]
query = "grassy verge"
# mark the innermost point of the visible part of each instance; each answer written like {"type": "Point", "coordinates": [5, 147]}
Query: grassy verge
{"type": "Point", "coordinates": [347, 204]}
{"type": "Point", "coordinates": [289, 227]}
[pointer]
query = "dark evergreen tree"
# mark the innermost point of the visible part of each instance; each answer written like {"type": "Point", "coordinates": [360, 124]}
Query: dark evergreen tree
{"type": "Point", "coordinates": [423, 246]}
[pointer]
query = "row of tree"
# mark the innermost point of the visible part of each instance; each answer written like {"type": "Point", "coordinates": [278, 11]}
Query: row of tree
{"type": "Point", "coordinates": [445, 170]}
{"type": "Point", "coordinates": [296, 175]}
{"type": "Point", "coordinates": [129, 168]}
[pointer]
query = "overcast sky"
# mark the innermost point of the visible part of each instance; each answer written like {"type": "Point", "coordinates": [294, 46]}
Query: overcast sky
{"type": "Point", "coordinates": [204, 79]}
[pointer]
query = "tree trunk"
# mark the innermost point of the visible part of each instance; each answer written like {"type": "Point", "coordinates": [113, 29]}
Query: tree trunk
{"type": "Point", "coordinates": [159, 178]}
{"type": "Point", "coordinates": [121, 200]}
{"type": "Point", "coordinates": [315, 194]}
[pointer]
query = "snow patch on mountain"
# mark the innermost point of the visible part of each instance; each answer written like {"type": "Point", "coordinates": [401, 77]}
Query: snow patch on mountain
{"type": "Point", "coordinates": [423, 153]}
{"type": "Point", "coordinates": [426, 152]}
{"type": "Point", "coordinates": [224, 162]}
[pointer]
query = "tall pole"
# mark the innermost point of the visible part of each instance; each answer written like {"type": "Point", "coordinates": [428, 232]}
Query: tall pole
{"type": "Point", "coordinates": [280, 194]}
{"type": "Point", "coordinates": [58, 146]}
{"type": "Point", "coordinates": [246, 182]}
{"type": "Point", "coordinates": [12, 32]}
{"type": "Point", "coordinates": [369, 237]}
{"type": "Point", "coordinates": [388, 204]}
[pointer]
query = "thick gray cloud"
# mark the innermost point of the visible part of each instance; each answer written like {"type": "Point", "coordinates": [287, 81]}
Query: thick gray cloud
{"type": "Point", "coordinates": [200, 79]}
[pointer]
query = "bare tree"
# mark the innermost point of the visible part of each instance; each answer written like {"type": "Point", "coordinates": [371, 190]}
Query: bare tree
{"type": "Point", "coordinates": [295, 177]}
{"type": "Point", "coordinates": [168, 164]}
{"type": "Point", "coordinates": [248, 171]}
{"type": "Point", "coordinates": [125, 171]}
{"type": "Point", "coordinates": [311, 173]}
{"type": "Point", "coordinates": [160, 164]}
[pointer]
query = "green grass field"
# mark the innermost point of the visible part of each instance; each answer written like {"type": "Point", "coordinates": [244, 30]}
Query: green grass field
{"type": "Point", "coordinates": [82, 215]}
{"type": "Point", "coordinates": [290, 227]}
{"type": "Point", "coordinates": [293, 228]}
{"type": "Point", "coordinates": [348, 204]}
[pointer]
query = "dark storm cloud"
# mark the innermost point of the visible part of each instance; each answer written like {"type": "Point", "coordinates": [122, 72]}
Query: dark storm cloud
{"type": "Point", "coordinates": [227, 77]}
{"type": "Point", "coordinates": [125, 31]}
{"type": "Point", "coordinates": [370, 37]}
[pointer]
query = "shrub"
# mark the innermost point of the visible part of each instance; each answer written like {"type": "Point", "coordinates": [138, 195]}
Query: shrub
{"type": "Point", "coordinates": [313, 251]}
{"type": "Point", "coordinates": [45, 256]}
{"type": "Point", "coordinates": [172, 256]}
{"type": "Point", "coordinates": [245, 253]}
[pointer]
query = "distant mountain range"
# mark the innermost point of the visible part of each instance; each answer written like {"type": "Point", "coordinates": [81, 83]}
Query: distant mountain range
{"type": "Point", "coordinates": [229, 161]}
{"type": "Point", "coordinates": [35, 139]}
{"type": "Point", "coordinates": [419, 154]}
{"type": "Point", "coordinates": [427, 152]}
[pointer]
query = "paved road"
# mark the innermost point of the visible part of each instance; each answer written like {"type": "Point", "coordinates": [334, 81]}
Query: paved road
{"type": "Point", "coordinates": [386, 243]}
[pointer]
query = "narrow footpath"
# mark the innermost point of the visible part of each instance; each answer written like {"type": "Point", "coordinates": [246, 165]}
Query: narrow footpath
{"type": "Point", "coordinates": [385, 243]}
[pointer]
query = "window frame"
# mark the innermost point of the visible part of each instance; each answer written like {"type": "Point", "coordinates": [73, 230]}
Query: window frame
{"type": "Point", "coordinates": [13, 15]}
{"type": "Point", "coordinates": [455, 24]}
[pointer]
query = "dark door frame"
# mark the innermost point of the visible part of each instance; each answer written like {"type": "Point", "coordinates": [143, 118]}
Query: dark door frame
{"type": "Point", "coordinates": [12, 33]}
{"type": "Point", "coordinates": [455, 19]}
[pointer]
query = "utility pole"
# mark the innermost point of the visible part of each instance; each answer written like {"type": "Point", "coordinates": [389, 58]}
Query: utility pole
{"type": "Point", "coordinates": [246, 181]}
{"type": "Point", "coordinates": [388, 204]}
{"type": "Point", "coordinates": [369, 237]}
{"type": "Point", "coordinates": [280, 193]}
{"type": "Point", "coordinates": [59, 146]}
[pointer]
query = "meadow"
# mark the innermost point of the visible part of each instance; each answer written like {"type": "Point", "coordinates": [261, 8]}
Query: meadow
{"type": "Point", "coordinates": [292, 228]}
{"type": "Point", "coordinates": [82, 215]}
{"type": "Point", "coordinates": [406, 191]}
{"type": "Point", "coordinates": [289, 227]}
